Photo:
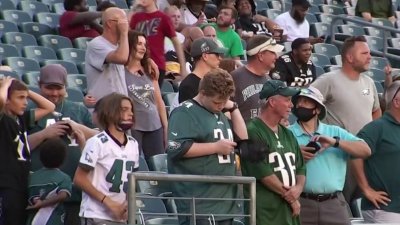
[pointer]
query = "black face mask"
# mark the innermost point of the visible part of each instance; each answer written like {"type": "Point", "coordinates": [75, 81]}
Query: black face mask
{"type": "Point", "coordinates": [304, 114]}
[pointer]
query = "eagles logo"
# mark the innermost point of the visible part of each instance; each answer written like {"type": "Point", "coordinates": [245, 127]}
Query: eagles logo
{"type": "Point", "coordinates": [276, 76]}
{"type": "Point", "coordinates": [173, 145]}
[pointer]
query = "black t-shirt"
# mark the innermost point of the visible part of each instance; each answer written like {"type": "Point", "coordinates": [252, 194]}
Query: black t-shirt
{"type": "Point", "coordinates": [249, 25]}
{"type": "Point", "coordinates": [189, 87]}
{"type": "Point", "coordinates": [287, 70]}
{"type": "Point", "coordinates": [14, 152]}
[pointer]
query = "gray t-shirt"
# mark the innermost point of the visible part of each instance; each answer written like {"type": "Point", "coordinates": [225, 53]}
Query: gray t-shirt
{"type": "Point", "coordinates": [103, 78]}
{"type": "Point", "coordinates": [248, 85]}
{"type": "Point", "coordinates": [141, 91]}
{"type": "Point", "coordinates": [349, 103]}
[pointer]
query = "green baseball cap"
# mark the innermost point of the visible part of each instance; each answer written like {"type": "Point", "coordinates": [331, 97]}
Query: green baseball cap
{"type": "Point", "coordinates": [276, 87]}
{"type": "Point", "coordinates": [206, 45]}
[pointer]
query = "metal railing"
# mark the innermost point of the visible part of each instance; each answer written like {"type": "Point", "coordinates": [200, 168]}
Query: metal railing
{"type": "Point", "coordinates": [149, 176]}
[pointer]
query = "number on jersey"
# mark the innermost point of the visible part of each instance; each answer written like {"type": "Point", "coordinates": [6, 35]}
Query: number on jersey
{"type": "Point", "coordinates": [218, 134]}
{"type": "Point", "coordinates": [114, 176]}
{"type": "Point", "coordinates": [287, 172]}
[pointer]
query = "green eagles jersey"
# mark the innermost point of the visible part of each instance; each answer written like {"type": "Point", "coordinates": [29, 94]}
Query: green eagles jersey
{"type": "Point", "coordinates": [285, 161]}
{"type": "Point", "coordinates": [43, 184]}
{"type": "Point", "coordinates": [191, 123]}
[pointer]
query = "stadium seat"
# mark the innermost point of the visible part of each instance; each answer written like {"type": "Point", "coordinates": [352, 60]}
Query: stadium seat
{"type": "Point", "coordinates": [314, 9]}
{"type": "Point", "coordinates": [38, 53]}
{"type": "Point", "coordinates": [55, 42]}
{"type": "Point", "coordinates": [158, 163]}
{"type": "Point", "coordinates": [261, 4]}
{"type": "Point", "coordinates": [374, 43]}
{"type": "Point", "coordinates": [163, 221]}
{"type": "Point", "coordinates": [273, 13]}
{"type": "Point", "coordinates": [394, 42]}
{"type": "Point", "coordinates": [319, 71]}
{"type": "Point", "coordinates": [81, 42]}
{"type": "Point", "coordinates": [348, 31]}
{"type": "Point", "coordinates": [7, 5]}
{"type": "Point", "coordinates": [379, 86]}
{"type": "Point", "coordinates": [326, 49]}
{"type": "Point", "coordinates": [50, 19]}
{"type": "Point", "coordinates": [91, 2]}
{"type": "Point", "coordinates": [7, 26]}
{"type": "Point", "coordinates": [4, 73]}
{"type": "Point", "coordinates": [74, 95]}
{"type": "Point", "coordinates": [382, 22]}
{"type": "Point", "coordinates": [376, 74]}
{"type": "Point", "coordinates": [288, 46]}
{"type": "Point", "coordinates": [331, 68]}
{"type": "Point", "coordinates": [331, 9]}
{"type": "Point", "coordinates": [337, 60]}
{"type": "Point", "coordinates": [74, 55]}
{"type": "Point", "coordinates": [21, 65]}
{"type": "Point", "coordinates": [77, 81]}
{"type": "Point", "coordinates": [33, 7]}
{"type": "Point", "coordinates": [327, 18]}
{"type": "Point", "coordinates": [317, 2]}
{"type": "Point", "coordinates": [31, 78]}
{"type": "Point", "coordinates": [372, 31]}
{"type": "Point", "coordinates": [146, 204]}
{"type": "Point", "coordinates": [120, 4]}
{"type": "Point", "coordinates": [81, 67]}
{"type": "Point", "coordinates": [351, 11]}
{"type": "Point", "coordinates": [311, 18]}
{"type": "Point", "coordinates": [49, 3]}
{"type": "Point", "coordinates": [378, 63]}
{"type": "Point", "coordinates": [167, 87]}
{"type": "Point", "coordinates": [15, 16]}
{"type": "Point", "coordinates": [69, 66]}
{"type": "Point", "coordinates": [275, 5]}
{"type": "Point", "coordinates": [320, 60]}
{"type": "Point", "coordinates": [319, 29]}
{"type": "Point", "coordinates": [19, 40]}
{"type": "Point", "coordinates": [169, 97]}
{"type": "Point", "coordinates": [36, 29]}
{"type": "Point", "coordinates": [143, 164]}
{"type": "Point", "coordinates": [337, 3]}
{"type": "Point", "coordinates": [58, 8]}
{"type": "Point", "coordinates": [7, 50]}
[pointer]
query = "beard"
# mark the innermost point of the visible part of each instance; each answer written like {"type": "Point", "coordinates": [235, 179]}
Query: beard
{"type": "Point", "coordinates": [298, 17]}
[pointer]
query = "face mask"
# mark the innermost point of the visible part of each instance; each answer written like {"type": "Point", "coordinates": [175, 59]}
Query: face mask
{"type": "Point", "coordinates": [124, 126]}
{"type": "Point", "coordinates": [304, 114]}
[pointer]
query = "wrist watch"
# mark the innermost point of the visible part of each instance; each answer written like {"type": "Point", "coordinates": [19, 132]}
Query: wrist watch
{"type": "Point", "coordinates": [234, 107]}
{"type": "Point", "coordinates": [337, 141]}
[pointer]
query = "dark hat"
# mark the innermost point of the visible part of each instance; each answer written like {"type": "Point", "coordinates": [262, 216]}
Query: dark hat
{"type": "Point", "coordinates": [54, 74]}
{"type": "Point", "coordinates": [205, 45]}
{"type": "Point", "coordinates": [276, 87]}
{"type": "Point", "coordinates": [304, 3]}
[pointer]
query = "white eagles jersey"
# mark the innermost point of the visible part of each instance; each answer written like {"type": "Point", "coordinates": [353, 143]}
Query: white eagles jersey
{"type": "Point", "coordinates": [110, 165]}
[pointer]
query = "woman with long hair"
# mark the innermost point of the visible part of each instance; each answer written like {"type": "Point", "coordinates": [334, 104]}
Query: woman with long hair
{"type": "Point", "coordinates": [150, 129]}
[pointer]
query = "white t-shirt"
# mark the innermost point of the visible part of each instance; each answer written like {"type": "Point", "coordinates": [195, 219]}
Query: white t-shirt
{"type": "Point", "coordinates": [187, 16]}
{"type": "Point", "coordinates": [168, 45]}
{"type": "Point", "coordinates": [110, 165]}
{"type": "Point", "coordinates": [291, 28]}
{"type": "Point", "coordinates": [103, 78]}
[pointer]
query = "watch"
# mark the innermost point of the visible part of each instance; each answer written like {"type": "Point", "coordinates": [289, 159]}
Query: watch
{"type": "Point", "coordinates": [337, 141]}
{"type": "Point", "coordinates": [234, 107]}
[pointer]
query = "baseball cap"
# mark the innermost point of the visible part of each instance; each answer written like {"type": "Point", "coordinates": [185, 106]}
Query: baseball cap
{"type": "Point", "coordinates": [269, 45]}
{"type": "Point", "coordinates": [304, 3]}
{"type": "Point", "coordinates": [205, 45]}
{"type": "Point", "coordinates": [54, 74]}
{"type": "Point", "coordinates": [314, 94]}
{"type": "Point", "coordinates": [276, 87]}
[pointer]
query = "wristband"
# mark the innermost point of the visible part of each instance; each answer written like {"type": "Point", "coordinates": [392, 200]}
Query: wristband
{"type": "Point", "coordinates": [104, 197]}
{"type": "Point", "coordinates": [336, 145]}
{"type": "Point", "coordinates": [234, 107]}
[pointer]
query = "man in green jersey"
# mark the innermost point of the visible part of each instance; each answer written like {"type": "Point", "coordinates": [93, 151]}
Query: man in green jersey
{"type": "Point", "coordinates": [281, 175]}
{"type": "Point", "coordinates": [200, 142]}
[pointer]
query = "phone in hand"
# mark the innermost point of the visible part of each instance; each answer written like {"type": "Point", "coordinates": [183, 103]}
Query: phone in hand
{"type": "Point", "coordinates": [277, 33]}
{"type": "Point", "coordinates": [314, 145]}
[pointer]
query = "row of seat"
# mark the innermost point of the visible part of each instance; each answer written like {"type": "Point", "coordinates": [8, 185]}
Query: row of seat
{"type": "Point", "coordinates": [33, 6]}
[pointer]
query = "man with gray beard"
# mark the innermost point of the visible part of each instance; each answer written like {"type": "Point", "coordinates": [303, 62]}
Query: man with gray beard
{"type": "Point", "coordinates": [249, 79]}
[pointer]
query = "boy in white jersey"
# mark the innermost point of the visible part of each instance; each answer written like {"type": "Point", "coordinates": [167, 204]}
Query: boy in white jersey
{"type": "Point", "coordinates": [106, 160]}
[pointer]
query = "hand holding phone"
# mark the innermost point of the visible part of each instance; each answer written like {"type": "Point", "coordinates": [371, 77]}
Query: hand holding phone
{"type": "Point", "coordinates": [314, 145]}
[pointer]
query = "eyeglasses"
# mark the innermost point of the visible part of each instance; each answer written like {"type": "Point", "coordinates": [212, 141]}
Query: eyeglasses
{"type": "Point", "coordinates": [397, 91]}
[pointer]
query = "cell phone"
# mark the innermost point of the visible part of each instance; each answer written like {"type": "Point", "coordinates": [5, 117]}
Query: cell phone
{"type": "Point", "coordinates": [314, 145]}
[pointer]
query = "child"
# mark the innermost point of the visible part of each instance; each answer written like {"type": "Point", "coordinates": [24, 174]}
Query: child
{"type": "Point", "coordinates": [15, 151]}
{"type": "Point", "coordinates": [106, 160]}
{"type": "Point", "coordinates": [49, 186]}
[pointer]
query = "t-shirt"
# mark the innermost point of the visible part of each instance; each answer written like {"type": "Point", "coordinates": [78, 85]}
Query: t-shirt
{"type": "Point", "coordinates": [46, 183]}
{"type": "Point", "coordinates": [77, 30]}
{"type": "Point", "coordinates": [378, 9]}
{"type": "Point", "coordinates": [141, 91]}
{"type": "Point", "coordinates": [187, 16]}
{"type": "Point", "coordinates": [231, 41]}
{"type": "Point", "coordinates": [156, 26]}
{"type": "Point", "coordinates": [109, 164]}
{"type": "Point", "coordinates": [103, 78]}
{"type": "Point", "coordinates": [169, 46]}
{"type": "Point", "coordinates": [248, 85]}
{"type": "Point", "coordinates": [349, 103]}
{"type": "Point", "coordinates": [284, 159]}
{"type": "Point", "coordinates": [381, 168]}
{"type": "Point", "coordinates": [249, 25]}
{"type": "Point", "coordinates": [15, 154]}
{"type": "Point", "coordinates": [287, 70]}
{"type": "Point", "coordinates": [192, 123]}
{"type": "Point", "coordinates": [70, 111]}
{"type": "Point", "coordinates": [291, 28]}
{"type": "Point", "coordinates": [189, 87]}
{"type": "Point", "coordinates": [326, 172]}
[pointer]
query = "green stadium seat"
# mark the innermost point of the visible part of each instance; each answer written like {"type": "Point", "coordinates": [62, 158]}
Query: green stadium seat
{"type": "Point", "coordinates": [33, 7]}
{"type": "Point", "coordinates": [7, 4]}
{"type": "Point", "coordinates": [81, 42]}
{"type": "Point", "coordinates": [374, 43]}
{"type": "Point", "coordinates": [275, 5]}
{"type": "Point", "coordinates": [50, 19]}
{"type": "Point", "coordinates": [21, 65]}
{"type": "Point", "coordinates": [36, 29]}
{"type": "Point", "coordinates": [261, 4]}
{"type": "Point", "coordinates": [320, 60]}
{"type": "Point", "coordinates": [146, 204]}
{"type": "Point", "coordinates": [7, 26]}
{"type": "Point", "coordinates": [91, 2]}
{"type": "Point", "coordinates": [4, 73]}
{"type": "Point", "coordinates": [346, 31]}
{"type": "Point", "coordinates": [77, 81]}
{"type": "Point", "coordinates": [314, 9]}
{"type": "Point", "coordinates": [337, 60]}
{"type": "Point", "coordinates": [379, 86]}
{"type": "Point", "coordinates": [38, 53]}
{"type": "Point", "coordinates": [55, 42]}
{"type": "Point", "coordinates": [372, 31]}
{"type": "Point", "coordinates": [120, 4]}
{"type": "Point", "coordinates": [7, 50]}
{"type": "Point", "coordinates": [69, 66]}
{"type": "Point", "coordinates": [58, 8]}
{"type": "Point", "coordinates": [31, 78]}
{"type": "Point", "coordinates": [158, 163]}
{"type": "Point", "coordinates": [167, 87]}
{"type": "Point", "coordinates": [351, 11]}
{"type": "Point", "coordinates": [331, 9]}
{"type": "Point", "coordinates": [288, 46]}
{"type": "Point", "coordinates": [378, 63]}
{"type": "Point", "coordinates": [75, 95]}
{"type": "Point", "coordinates": [15, 16]}
{"type": "Point", "coordinates": [319, 71]}
{"type": "Point", "coordinates": [332, 68]}
{"type": "Point", "coordinates": [394, 42]}
{"type": "Point", "coordinates": [74, 55]}
{"type": "Point", "coordinates": [163, 221]}
{"type": "Point", "coordinates": [327, 18]}
{"type": "Point", "coordinates": [376, 74]}
{"type": "Point", "coordinates": [337, 3]}
{"type": "Point", "coordinates": [382, 22]}
{"type": "Point", "coordinates": [311, 18]}
{"type": "Point", "coordinates": [317, 2]}
{"type": "Point", "coordinates": [49, 3]}
{"type": "Point", "coordinates": [273, 13]}
{"type": "Point", "coordinates": [169, 97]}
{"type": "Point", "coordinates": [326, 49]}
{"type": "Point", "coordinates": [19, 40]}
{"type": "Point", "coordinates": [319, 29]}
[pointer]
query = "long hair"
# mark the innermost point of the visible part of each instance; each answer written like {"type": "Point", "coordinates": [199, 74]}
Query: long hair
{"type": "Point", "coordinates": [133, 38]}
{"type": "Point", "coordinates": [109, 110]}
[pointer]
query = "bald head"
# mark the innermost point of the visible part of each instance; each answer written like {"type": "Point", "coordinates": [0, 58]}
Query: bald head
{"type": "Point", "coordinates": [210, 32]}
{"type": "Point", "coordinates": [113, 13]}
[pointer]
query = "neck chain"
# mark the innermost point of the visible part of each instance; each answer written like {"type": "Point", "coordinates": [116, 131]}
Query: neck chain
{"type": "Point", "coordinates": [305, 130]}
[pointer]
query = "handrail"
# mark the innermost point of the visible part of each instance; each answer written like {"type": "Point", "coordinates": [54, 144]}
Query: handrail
{"type": "Point", "coordinates": [149, 176]}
